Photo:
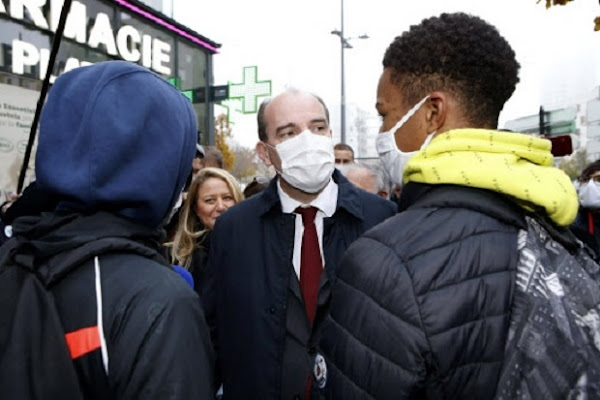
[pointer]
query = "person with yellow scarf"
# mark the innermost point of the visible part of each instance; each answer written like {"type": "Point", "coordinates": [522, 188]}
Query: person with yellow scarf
{"type": "Point", "coordinates": [422, 303]}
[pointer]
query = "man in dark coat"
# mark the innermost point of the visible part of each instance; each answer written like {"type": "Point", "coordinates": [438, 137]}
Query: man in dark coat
{"type": "Point", "coordinates": [267, 317]}
{"type": "Point", "coordinates": [116, 167]}
{"type": "Point", "coordinates": [421, 305]}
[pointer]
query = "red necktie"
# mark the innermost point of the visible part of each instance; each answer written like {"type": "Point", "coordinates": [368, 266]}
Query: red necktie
{"type": "Point", "coordinates": [311, 264]}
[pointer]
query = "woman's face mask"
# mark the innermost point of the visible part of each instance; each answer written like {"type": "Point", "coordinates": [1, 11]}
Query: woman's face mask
{"type": "Point", "coordinates": [393, 159]}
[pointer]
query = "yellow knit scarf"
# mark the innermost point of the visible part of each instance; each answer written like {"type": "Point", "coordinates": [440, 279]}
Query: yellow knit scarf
{"type": "Point", "coordinates": [514, 164]}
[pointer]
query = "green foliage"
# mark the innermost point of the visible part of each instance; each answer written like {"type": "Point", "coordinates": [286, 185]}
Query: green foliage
{"type": "Point", "coordinates": [550, 3]}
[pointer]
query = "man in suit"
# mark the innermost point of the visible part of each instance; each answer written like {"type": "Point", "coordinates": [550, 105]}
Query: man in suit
{"type": "Point", "coordinates": [275, 255]}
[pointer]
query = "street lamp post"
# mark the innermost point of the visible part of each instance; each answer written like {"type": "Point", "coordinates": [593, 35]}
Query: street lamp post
{"type": "Point", "coordinates": [344, 44]}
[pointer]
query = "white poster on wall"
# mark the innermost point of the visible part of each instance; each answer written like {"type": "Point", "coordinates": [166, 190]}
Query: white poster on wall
{"type": "Point", "coordinates": [17, 109]}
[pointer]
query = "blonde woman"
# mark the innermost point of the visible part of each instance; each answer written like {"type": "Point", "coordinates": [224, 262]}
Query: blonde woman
{"type": "Point", "coordinates": [211, 193]}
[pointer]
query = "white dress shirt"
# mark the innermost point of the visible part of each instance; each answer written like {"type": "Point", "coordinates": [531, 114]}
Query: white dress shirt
{"type": "Point", "coordinates": [326, 203]}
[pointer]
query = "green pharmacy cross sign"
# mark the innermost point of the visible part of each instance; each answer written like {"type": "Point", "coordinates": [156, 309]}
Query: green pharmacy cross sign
{"type": "Point", "coordinates": [249, 90]}
{"type": "Point", "coordinates": [246, 93]}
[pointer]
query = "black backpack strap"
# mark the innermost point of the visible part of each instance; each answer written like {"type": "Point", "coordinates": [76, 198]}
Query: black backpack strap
{"type": "Point", "coordinates": [34, 360]}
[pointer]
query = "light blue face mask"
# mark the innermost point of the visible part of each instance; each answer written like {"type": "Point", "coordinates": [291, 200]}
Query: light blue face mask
{"type": "Point", "coordinates": [393, 159]}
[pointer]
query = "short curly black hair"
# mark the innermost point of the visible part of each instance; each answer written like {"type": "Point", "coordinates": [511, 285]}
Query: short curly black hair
{"type": "Point", "coordinates": [458, 53]}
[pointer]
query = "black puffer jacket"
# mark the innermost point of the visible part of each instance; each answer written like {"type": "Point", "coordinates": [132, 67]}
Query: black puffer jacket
{"type": "Point", "coordinates": [157, 342]}
{"type": "Point", "coordinates": [421, 304]}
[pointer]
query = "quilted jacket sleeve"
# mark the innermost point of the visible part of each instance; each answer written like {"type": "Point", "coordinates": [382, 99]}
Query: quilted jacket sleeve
{"type": "Point", "coordinates": [373, 337]}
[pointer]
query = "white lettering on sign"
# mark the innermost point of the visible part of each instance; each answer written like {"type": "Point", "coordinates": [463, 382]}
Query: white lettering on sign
{"type": "Point", "coordinates": [34, 7]}
{"type": "Point", "coordinates": [75, 28]}
{"type": "Point", "coordinates": [128, 43]}
{"type": "Point", "coordinates": [23, 54]}
{"type": "Point", "coordinates": [102, 33]}
{"type": "Point", "coordinates": [27, 55]}
{"type": "Point", "coordinates": [160, 54]}
{"type": "Point", "coordinates": [128, 32]}
{"type": "Point", "coordinates": [44, 58]}
{"type": "Point", "coordinates": [71, 63]}
{"type": "Point", "coordinates": [146, 51]}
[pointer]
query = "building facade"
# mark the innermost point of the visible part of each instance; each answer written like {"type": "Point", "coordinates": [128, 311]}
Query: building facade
{"type": "Point", "coordinates": [593, 127]}
{"type": "Point", "coordinates": [96, 30]}
{"type": "Point", "coordinates": [580, 121]}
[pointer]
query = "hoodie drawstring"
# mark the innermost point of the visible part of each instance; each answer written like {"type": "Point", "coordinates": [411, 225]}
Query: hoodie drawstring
{"type": "Point", "coordinates": [99, 315]}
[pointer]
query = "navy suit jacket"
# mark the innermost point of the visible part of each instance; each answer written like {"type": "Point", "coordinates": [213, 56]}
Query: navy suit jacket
{"type": "Point", "coordinates": [250, 265]}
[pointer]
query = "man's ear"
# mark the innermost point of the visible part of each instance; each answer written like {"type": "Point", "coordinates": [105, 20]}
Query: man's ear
{"type": "Point", "coordinates": [383, 194]}
{"type": "Point", "coordinates": [437, 111]}
{"type": "Point", "coordinates": [263, 153]}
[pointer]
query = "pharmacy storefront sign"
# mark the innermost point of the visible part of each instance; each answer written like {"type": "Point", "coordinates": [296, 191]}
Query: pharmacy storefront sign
{"type": "Point", "coordinates": [95, 31]}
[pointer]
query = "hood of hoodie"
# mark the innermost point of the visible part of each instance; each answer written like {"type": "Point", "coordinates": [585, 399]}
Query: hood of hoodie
{"type": "Point", "coordinates": [116, 137]}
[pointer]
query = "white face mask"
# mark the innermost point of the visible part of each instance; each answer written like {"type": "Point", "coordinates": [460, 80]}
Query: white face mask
{"type": "Point", "coordinates": [589, 194]}
{"type": "Point", "coordinates": [393, 159]}
{"type": "Point", "coordinates": [307, 161]}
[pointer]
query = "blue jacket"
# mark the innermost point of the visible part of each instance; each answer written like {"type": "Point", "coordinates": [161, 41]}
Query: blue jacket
{"type": "Point", "coordinates": [250, 261]}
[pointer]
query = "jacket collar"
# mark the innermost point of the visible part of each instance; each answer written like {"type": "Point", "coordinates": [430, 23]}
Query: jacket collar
{"type": "Point", "coordinates": [422, 195]}
{"type": "Point", "coordinates": [348, 197]}
{"type": "Point", "coordinates": [501, 207]}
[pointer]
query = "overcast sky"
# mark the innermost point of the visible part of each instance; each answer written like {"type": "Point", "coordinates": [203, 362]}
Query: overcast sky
{"type": "Point", "coordinates": [291, 44]}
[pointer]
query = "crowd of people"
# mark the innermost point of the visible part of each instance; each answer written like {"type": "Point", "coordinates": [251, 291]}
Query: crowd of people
{"type": "Point", "coordinates": [462, 264]}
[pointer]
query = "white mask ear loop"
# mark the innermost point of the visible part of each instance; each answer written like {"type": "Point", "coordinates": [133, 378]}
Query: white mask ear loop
{"type": "Point", "coordinates": [275, 150]}
{"type": "Point", "coordinates": [409, 114]}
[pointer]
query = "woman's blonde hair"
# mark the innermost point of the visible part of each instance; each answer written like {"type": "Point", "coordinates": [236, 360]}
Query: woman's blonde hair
{"type": "Point", "coordinates": [186, 237]}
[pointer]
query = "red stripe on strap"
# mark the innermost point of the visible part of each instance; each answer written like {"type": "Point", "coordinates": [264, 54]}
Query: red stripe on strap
{"type": "Point", "coordinates": [83, 341]}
